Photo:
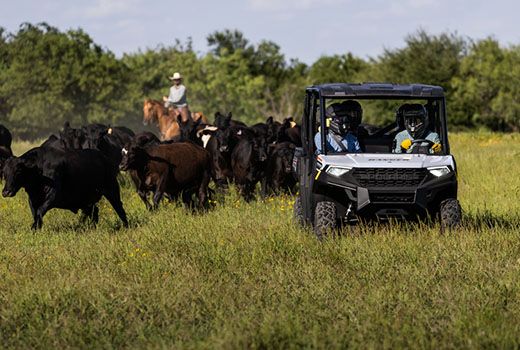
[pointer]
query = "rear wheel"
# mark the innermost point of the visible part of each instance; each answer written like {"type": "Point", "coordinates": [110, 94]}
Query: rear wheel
{"type": "Point", "coordinates": [450, 214]}
{"type": "Point", "coordinates": [324, 218]}
{"type": "Point", "coordinates": [298, 211]}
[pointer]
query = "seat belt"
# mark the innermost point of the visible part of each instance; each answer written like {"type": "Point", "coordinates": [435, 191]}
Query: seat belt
{"type": "Point", "coordinates": [338, 141]}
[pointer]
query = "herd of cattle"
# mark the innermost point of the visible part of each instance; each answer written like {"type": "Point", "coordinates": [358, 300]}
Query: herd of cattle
{"type": "Point", "coordinates": [74, 169]}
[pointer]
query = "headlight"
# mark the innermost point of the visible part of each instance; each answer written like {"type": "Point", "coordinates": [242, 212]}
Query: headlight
{"type": "Point", "coordinates": [338, 171]}
{"type": "Point", "coordinates": [439, 171]}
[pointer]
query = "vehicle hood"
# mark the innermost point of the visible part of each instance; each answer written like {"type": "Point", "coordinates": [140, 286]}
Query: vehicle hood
{"type": "Point", "coordinates": [368, 160]}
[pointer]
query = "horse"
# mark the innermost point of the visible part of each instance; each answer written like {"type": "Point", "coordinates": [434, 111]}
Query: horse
{"type": "Point", "coordinates": [154, 111]}
{"type": "Point", "coordinates": [167, 118]}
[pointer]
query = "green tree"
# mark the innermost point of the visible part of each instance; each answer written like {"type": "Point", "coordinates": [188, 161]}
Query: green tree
{"type": "Point", "coordinates": [428, 59]}
{"type": "Point", "coordinates": [51, 77]}
{"type": "Point", "coordinates": [487, 90]}
{"type": "Point", "coordinates": [336, 68]}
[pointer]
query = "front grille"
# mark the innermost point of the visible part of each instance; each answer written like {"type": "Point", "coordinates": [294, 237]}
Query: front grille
{"type": "Point", "coordinates": [389, 177]}
{"type": "Point", "coordinates": [392, 198]}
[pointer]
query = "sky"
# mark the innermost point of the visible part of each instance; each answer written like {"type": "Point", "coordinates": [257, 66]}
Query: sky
{"type": "Point", "coordinates": [305, 29]}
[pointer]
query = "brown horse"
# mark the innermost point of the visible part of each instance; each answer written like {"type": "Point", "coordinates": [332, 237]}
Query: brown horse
{"type": "Point", "coordinates": [166, 118]}
{"type": "Point", "coordinates": [155, 112]}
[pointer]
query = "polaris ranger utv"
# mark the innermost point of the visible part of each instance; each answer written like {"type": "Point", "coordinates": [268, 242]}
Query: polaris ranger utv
{"type": "Point", "coordinates": [387, 175]}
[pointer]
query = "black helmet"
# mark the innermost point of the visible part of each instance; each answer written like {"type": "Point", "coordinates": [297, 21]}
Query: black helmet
{"type": "Point", "coordinates": [415, 119]}
{"type": "Point", "coordinates": [345, 116]}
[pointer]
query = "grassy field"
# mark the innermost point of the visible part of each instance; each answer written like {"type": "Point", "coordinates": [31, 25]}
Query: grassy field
{"type": "Point", "coordinates": [244, 276]}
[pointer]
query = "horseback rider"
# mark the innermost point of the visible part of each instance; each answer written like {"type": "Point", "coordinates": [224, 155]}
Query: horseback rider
{"type": "Point", "coordinates": [177, 98]}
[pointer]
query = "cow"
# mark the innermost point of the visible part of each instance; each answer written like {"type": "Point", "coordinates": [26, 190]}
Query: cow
{"type": "Point", "coordinates": [248, 159]}
{"type": "Point", "coordinates": [65, 179]}
{"type": "Point", "coordinates": [178, 169]}
{"type": "Point", "coordinates": [278, 171]}
{"type": "Point", "coordinates": [108, 140]}
{"type": "Point", "coordinates": [221, 171]}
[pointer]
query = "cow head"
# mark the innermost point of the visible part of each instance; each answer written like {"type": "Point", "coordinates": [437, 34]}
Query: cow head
{"type": "Point", "coordinates": [133, 157]}
{"type": "Point", "coordinates": [222, 121]}
{"type": "Point", "coordinates": [272, 129]}
{"type": "Point", "coordinates": [16, 173]}
{"type": "Point", "coordinates": [222, 137]}
{"type": "Point", "coordinates": [71, 138]}
{"type": "Point", "coordinates": [286, 154]}
{"type": "Point", "coordinates": [260, 148]}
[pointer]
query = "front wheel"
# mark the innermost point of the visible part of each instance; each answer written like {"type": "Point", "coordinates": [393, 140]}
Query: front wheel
{"type": "Point", "coordinates": [450, 214]}
{"type": "Point", "coordinates": [324, 218]}
{"type": "Point", "coordinates": [298, 211]}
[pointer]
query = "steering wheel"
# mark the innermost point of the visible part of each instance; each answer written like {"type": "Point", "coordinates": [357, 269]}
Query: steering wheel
{"type": "Point", "coordinates": [419, 149]}
{"type": "Point", "coordinates": [429, 142]}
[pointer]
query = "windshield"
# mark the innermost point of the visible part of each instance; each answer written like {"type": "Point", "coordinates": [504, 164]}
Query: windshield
{"type": "Point", "coordinates": [379, 126]}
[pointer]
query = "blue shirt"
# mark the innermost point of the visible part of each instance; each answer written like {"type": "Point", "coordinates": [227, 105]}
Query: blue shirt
{"type": "Point", "coordinates": [348, 140]}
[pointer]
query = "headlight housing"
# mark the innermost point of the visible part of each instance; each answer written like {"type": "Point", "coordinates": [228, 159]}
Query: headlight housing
{"type": "Point", "coordinates": [338, 171]}
{"type": "Point", "coordinates": [439, 171]}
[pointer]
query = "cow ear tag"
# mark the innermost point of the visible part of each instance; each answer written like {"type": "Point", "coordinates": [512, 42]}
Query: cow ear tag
{"type": "Point", "coordinates": [239, 132]}
{"type": "Point", "coordinates": [109, 131]}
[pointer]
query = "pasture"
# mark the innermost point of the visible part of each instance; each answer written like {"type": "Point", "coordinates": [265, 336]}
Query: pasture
{"type": "Point", "coordinates": [244, 276]}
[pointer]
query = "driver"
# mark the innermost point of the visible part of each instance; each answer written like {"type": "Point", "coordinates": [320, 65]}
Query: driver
{"type": "Point", "coordinates": [343, 120]}
{"type": "Point", "coordinates": [415, 119]}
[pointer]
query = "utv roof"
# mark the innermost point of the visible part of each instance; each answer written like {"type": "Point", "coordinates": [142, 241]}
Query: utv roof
{"type": "Point", "coordinates": [377, 90]}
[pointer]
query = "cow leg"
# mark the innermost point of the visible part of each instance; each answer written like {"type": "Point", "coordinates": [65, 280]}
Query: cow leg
{"type": "Point", "coordinates": [187, 198]}
{"type": "Point", "coordinates": [114, 198]}
{"type": "Point", "coordinates": [143, 194]}
{"type": "Point", "coordinates": [43, 209]}
{"type": "Point", "coordinates": [249, 194]}
{"type": "Point", "coordinates": [37, 222]}
{"type": "Point", "coordinates": [160, 189]}
{"type": "Point", "coordinates": [203, 190]}
{"type": "Point", "coordinates": [92, 213]}
{"type": "Point", "coordinates": [263, 191]}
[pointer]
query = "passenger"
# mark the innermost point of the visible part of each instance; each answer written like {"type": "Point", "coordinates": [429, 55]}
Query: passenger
{"type": "Point", "coordinates": [416, 122]}
{"type": "Point", "coordinates": [344, 121]}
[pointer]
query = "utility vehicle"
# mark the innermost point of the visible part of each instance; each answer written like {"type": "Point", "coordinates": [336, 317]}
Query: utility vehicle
{"type": "Point", "coordinates": [338, 188]}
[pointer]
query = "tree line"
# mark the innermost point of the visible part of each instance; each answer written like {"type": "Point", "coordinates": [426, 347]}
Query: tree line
{"type": "Point", "coordinates": [48, 76]}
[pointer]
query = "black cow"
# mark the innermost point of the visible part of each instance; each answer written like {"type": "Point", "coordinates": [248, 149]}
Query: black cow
{"type": "Point", "coordinates": [64, 179]}
{"type": "Point", "coordinates": [248, 162]}
{"type": "Point", "coordinates": [221, 171]}
{"type": "Point", "coordinates": [108, 140]}
{"type": "Point", "coordinates": [278, 172]}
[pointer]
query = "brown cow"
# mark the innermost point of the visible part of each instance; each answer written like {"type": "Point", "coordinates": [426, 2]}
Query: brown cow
{"type": "Point", "coordinates": [175, 169]}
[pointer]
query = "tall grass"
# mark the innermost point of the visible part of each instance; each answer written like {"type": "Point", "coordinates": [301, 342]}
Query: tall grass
{"type": "Point", "coordinates": [243, 275]}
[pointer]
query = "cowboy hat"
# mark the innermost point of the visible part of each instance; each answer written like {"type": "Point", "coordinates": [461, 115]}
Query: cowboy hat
{"type": "Point", "coordinates": [175, 76]}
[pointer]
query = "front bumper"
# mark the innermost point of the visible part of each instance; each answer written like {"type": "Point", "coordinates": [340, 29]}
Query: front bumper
{"type": "Point", "coordinates": [388, 197]}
